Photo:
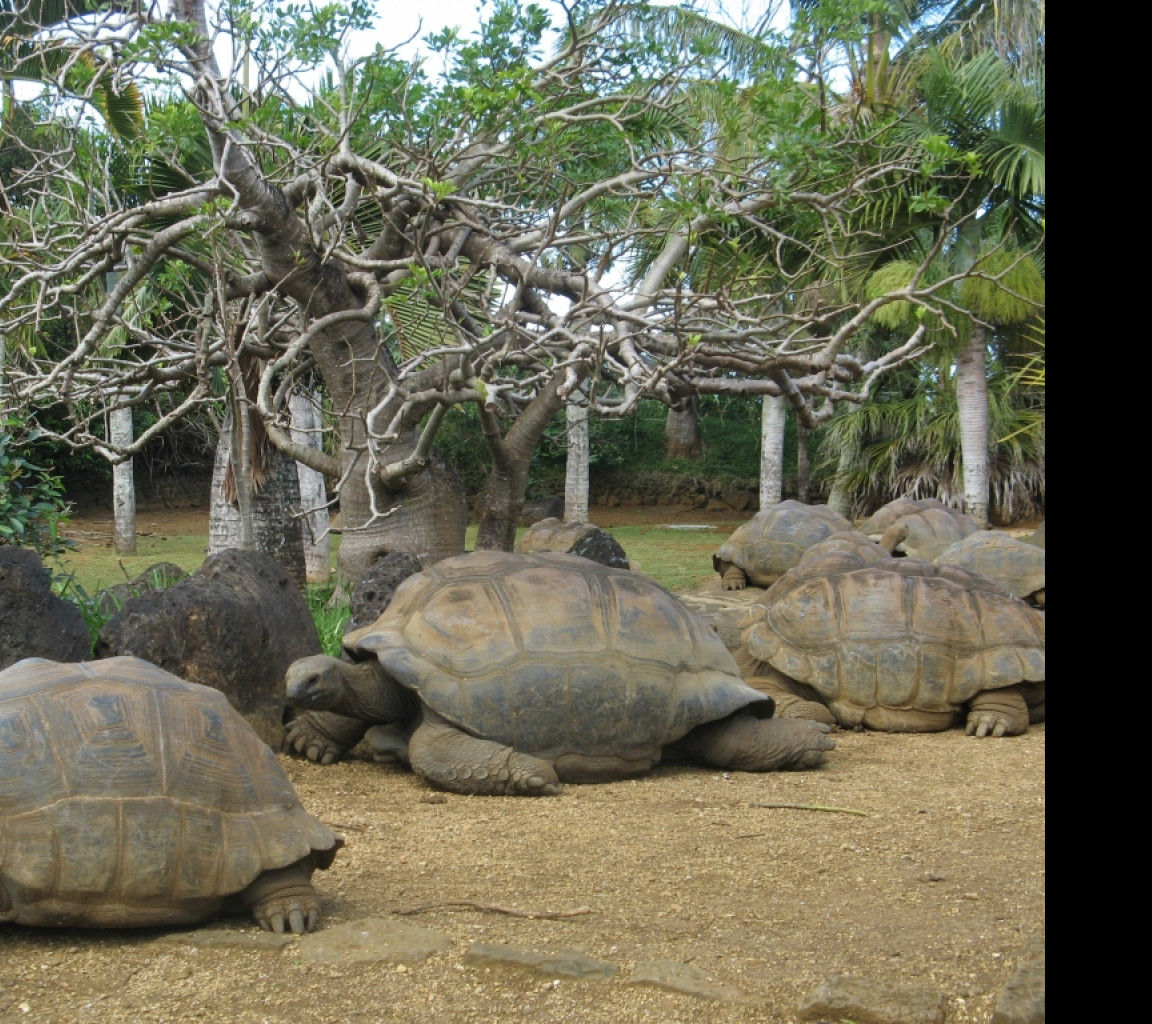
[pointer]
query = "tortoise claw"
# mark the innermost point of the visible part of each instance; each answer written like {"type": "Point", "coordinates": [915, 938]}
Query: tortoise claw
{"type": "Point", "coordinates": [284, 900]}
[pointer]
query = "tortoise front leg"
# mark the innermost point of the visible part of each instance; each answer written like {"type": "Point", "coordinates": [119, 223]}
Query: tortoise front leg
{"type": "Point", "coordinates": [323, 736]}
{"type": "Point", "coordinates": [450, 759]}
{"type": "Point", "coordinates": [997, 713]}
{"type": "Point", "coordinates": [732, 577]}
{"type": "Point", "coordinates": [284, 900]}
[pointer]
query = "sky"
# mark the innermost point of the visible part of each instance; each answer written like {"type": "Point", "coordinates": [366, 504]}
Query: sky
{"type": "Point", "coordinates": [398, 22]}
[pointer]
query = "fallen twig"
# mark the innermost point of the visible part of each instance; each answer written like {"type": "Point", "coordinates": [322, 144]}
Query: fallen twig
{"type": "Point", "coordinates": [815, 807]}
{"type": "Point", "coordinates": [495, 909]}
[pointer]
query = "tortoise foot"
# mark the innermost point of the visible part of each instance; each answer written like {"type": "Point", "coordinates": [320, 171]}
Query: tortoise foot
{"type": "Point", "coordinates": [322, 736]}
{"type": "Point", "coordinates": [742, 742]}
{"type": "Point", "coordinates": [997, 713]}
{"type": "Point", "coordinates": [284, 901]}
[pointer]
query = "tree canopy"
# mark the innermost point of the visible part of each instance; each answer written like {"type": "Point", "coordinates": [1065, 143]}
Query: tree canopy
{"type": "Point", "coordinates": [643, 214]}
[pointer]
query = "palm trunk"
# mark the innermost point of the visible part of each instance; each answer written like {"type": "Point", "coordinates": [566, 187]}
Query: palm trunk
{"type": "Point", "coordinates": [840, 496]}
{"type": "Point", "coordinates": [773, 412]}
{"type": "Point", "coordinates": [239, 462]}
{"type": "Point", "coordinates": [576, 465]}
{"type": "Point", "coordinates": [123, 485]}
{"type": "Point", "coordinates": [972, 407]}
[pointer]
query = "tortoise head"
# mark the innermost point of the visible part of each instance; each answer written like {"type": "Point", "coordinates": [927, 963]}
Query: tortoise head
{"type": "Point", "coordinates": [360, 690]}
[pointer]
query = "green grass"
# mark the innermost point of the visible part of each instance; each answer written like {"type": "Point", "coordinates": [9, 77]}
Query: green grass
{"type": "Point", "coordinates": [676, 558]}
{"type": "Point", "coordinates": [96, 566]}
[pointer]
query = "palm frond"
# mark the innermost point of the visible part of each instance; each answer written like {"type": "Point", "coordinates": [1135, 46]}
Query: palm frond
{"type": "Point", "coordinates": [78, 74]}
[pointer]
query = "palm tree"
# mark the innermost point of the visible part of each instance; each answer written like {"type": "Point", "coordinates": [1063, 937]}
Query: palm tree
{"type": "Point", "coordinates": [968, 83]}
{"type": "Point", "coordinates": [981, 105]}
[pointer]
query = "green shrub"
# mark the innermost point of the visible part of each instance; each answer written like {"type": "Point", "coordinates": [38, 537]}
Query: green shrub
{"type": "Point", "coordinates": [32, 505]}
{"type": "Point", "coordinates": [330, 618]}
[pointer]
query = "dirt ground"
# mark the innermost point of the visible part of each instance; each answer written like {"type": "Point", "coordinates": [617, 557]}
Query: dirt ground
{"type": "Point", "coordinates": [906, 860]}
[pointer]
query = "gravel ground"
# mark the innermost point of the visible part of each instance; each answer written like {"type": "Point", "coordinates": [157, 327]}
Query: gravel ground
{"type": "Point", "coordinates": [940, 881]}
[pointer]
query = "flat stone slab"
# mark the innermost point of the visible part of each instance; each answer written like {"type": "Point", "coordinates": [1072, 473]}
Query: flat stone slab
{"type": "Point", "coordinates": [373, 939]}
{"type": "Point", "coordinates": [865, 1001]}
{"type": "Point", "coordinates": [684, 978]}
{"type": "Point", "coordinates": [563, 963]}
{"type": "Point", "coordinates": [1021, 1000]}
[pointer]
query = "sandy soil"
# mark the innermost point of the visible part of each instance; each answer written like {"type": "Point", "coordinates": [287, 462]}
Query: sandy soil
{"type": "Point", "coordinates": [907, 859]}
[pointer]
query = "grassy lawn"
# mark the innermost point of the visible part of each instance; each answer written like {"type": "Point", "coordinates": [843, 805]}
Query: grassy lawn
{"type": "Point", "coordinates": [678, 558]}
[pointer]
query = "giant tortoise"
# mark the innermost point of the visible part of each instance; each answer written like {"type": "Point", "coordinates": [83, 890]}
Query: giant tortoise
{"type": "Point", "coordinates": [771, 542]}
{"type": "Point", "coordinates": [925, 534]}
{"type": "Point", "coordinates": [879, 521]}
{"type": "Point", "coordinates": [901, 646]}
{"type": "Point", "coordinates": [573, 538]}
{"type": "Point", "coordinates": [130, 797]}
{"type": "Point", "coordinates": [513, 673]}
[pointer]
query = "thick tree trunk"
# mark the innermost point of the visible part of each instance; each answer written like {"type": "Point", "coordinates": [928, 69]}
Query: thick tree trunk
{"type": "Point", "coordinates": [502, 506]}
{"type": "Point", "coordinates": [576, 465]}
{"type": "Point", "coordinates": [426, 518]}
{"type": "Point", "coordinates": [511, 457]}
{"type": "Point", "coordinates": [773, 412]}
{"type": "Point", "coordinates": [275, 523]}
{"type": "Point", "coordinates": [306, 426]}
{"type": "Point", "coordinates": [425, 512]}
{"type": "Point", "coordinates": [123, 485]}
{"type": "Point", "coordinates": [972, 407]}
{"type": "Point", "coordinates": [682, 430]}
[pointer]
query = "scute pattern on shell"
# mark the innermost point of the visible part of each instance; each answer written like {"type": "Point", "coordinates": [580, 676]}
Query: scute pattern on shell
{"type": "Point", "coordinates": [1015, 564]}
{"type": "Point", "coordinates": [840, 552]}
{"type": "Point", "coordinates": [901, 635]}
{"type": "Point", "coordinates": [931, 530]}
{"type": "Point", "coordinates": [164, 798]}
{"type": "Point", "coordinates": [554, 654]}
{"type": "Point", "coordinates": [887, 514]}
{"type": "Point", "coordinates": [775, 539]}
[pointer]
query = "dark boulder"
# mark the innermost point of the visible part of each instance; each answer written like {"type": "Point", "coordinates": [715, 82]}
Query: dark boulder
{"type": "Point", "coordinates": [156, 577]}
{"type": "Point", "coordinates": [374, 591]}
{"type": "Point", "coordinates": [236, 624]}
{"type": "Point", "coordinates": [34, 622]}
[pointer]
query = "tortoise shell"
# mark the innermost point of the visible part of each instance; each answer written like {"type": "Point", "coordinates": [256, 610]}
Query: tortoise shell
{"type": "Point", "coordinates": [925, 534]}
{"type": "Point", "coordinates": [773, 541]}
{"type": "Point", "coordinates": [554, 654]}
{"type": "Point", "coordinates": [899, 635]}
{"type": "Point", "coordinates": [131, 797]}
{"type": "Point", "coordinates": [848, 549]}
{"type": "Point", "coordinates": [887, 514]}
{"type": "Point", "coordinates": [1015, 564]}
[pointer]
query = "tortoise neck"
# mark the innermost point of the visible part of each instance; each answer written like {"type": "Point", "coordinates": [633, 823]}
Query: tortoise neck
{"type": "Point", "coordinates": [376, 696]}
